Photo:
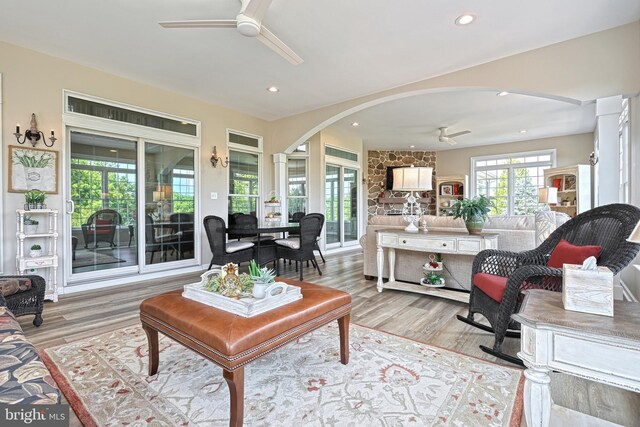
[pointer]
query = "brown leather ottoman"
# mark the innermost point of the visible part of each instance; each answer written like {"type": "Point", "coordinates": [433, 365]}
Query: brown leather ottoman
{"type": "Point", "coordinates": [232, 341]}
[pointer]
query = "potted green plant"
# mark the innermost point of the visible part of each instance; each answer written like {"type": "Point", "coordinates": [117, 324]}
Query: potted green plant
{"type": "Point", "coordinates": [30, 225]}
{"type": "Point", "coordinates": [34, 199]}
{"type": "Point", "coordinates": [433, 280]}
{"type": "Point", "coordinates": [36, 251]}
{"type": "Point", "coordinates": [262, 278]}
{"type": "Point", "coordinates": [473, 212]}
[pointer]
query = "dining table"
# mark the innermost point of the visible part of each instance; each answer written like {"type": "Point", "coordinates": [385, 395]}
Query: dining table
{"type": "Point", "coordinates": [265, 252]}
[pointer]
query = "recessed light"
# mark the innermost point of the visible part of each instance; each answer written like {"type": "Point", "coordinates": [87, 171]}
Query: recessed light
{"type": "Point", "coordinates": [503, 93]}
{"type": "Point", "coordinates": [465, 19]}
{"type": "Point", "coordinates": [412, 146]}
{"type": "Point", "coordinates": [355, 124]}
{"type": "Point", "coordinates": [114, 151]}
{"type": "Point", "coordinates": [523, 131]}
{"type": "Point", "coordinates": [273, 89]}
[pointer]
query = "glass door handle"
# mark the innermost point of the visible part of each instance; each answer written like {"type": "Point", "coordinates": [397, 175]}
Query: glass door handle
{"type": "Point", "coordinates": [71, 207]}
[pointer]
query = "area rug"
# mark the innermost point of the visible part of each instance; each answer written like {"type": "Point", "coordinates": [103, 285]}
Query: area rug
{"type": "Point", "coordinates": [389, 381]}
{"type": "Point", "coordinates": [85, 258]}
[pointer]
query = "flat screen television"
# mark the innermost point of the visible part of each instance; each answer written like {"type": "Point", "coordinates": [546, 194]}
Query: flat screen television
{"type": "Point", "coordinates": [389, 185]}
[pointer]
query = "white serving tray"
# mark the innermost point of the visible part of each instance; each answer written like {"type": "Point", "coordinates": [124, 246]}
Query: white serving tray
{"type": "Point", "coordinates": [279, 295]}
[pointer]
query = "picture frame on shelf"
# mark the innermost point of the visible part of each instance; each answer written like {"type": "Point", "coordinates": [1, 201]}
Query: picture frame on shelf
{"type": "Point", "coordinates": [446, 190]}
{"type": "Point", "coordinates": [569, 182]}
{"type": "Point", "coordinates": [32, 169]}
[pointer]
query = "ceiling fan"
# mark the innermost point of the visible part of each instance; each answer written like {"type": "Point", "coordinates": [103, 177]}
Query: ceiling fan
{"type": "Point", "coordinates": [249, 23]}
{"type": "Point", "coordinates": [444, 137]}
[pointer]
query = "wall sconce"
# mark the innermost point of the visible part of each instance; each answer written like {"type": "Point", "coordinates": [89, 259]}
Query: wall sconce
{"type": "Point", "coordinates": [215, 159]}
{"type": "Point", "coordinates": [33, 134]}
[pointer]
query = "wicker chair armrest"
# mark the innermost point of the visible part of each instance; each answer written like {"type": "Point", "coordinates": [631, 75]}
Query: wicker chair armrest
{"type": "Point", "coordinates": [495, 261]}
{"type": "Point", "coordinates": [527, 277]}
{"type": "Point", "coordinates": [3, 302]}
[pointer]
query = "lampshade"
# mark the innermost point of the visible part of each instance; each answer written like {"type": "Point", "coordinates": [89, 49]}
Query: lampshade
{"type": "Point", "coordinates": [548, 195]}
{"type": "Point", "coordinates": [158, 196]}
{"type": "Point", "coordinates": [412, 178]}
{"type": "Point", "coordinates": [635, 234]}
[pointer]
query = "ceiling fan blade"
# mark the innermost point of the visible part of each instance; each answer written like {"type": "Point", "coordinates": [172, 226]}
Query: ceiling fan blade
{"type": "Point", "coordinates": [200, 23]}
{"type": "Point", "coordinates": [451, 141]}
{"type": "Point", "coordinates": [278, 46]}
{"type": "Point", "coordinates": [255, 9]}
{"type": "Point", "coordinates": [464, 132]}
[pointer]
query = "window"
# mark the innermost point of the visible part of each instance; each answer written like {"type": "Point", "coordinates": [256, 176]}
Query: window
{"type": "Point", "coordinates": [296, 185]}
{"type": "Point", "coordinates": [342, 154]}
{"type": "Point", "coordinates": [243, 182]}
{"type": "Point", "coordinates": [183, 195]}
{"type": "Point", "coordinates": [625, 168]}
{"type": "Point", "coordinates": [511, 181]}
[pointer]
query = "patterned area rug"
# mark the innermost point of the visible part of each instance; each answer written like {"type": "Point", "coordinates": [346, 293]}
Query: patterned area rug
{"type": "Point", "coordinates": [389, 381]}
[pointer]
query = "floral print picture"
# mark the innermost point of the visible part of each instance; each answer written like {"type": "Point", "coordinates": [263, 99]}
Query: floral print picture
{"type": "Point", "coordinates": [33, 169]}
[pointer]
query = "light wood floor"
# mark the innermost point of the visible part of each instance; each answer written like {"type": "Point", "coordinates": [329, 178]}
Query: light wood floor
{"type": "Point", "coordinates": [420, 317]}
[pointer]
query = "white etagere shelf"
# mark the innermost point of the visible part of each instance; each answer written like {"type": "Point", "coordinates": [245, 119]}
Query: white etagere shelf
{"type": "Point", "coordinates": [47, 237]}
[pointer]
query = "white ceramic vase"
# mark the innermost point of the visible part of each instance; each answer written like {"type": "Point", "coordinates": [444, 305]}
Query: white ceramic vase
{"type": "Point", "coordinates": [35, 253]}
{"type": "Point", "coordinates": [30, 228]}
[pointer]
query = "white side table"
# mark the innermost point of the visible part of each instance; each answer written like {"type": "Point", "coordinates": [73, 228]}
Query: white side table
{"type": "Point", "coordinates": [598, 348]}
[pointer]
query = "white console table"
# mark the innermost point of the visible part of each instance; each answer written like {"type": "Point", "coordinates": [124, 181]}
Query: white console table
{"type": "Point", "coordinates": [598, 348]}
{"type": "Point", "coordinates": [447, 242]}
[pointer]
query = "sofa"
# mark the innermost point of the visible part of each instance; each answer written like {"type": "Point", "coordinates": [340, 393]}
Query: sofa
{"type": "Point", "coordinates": [24, 378]}
{"type": "Point", "coordinates": [515, 233]}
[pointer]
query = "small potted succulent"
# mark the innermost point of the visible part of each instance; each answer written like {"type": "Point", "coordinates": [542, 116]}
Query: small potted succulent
{"type": "Point", "coordinates": [30, 225]}
{"type": "Point", "coordinates": [262, 278]}
{"type": "Point", "coordinates": [34, 199]}
{"type": "Point", "coordinates": [36, 251]}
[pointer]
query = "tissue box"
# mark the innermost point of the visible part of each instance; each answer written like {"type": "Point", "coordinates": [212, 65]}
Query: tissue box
{"type": "Point", "coordinates": [588, 291]}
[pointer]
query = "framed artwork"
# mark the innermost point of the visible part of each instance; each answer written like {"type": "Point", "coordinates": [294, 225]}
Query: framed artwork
{"type": "Point", "coordinates": [446, 190]}
{"type": "Point", "coordinates": [32, 169]}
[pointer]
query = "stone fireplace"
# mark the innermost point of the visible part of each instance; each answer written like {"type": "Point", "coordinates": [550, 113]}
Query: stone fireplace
{"type": "Point", "coordinates": [383, 201]}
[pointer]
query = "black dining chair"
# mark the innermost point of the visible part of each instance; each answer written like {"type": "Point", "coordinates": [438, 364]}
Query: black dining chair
{"type": "Point", "coordinates": [182, 227]}
{"type": "Point", "coordinates": [249, 222]}
{"type": "Point", "coordinates": [222, 251]}
{"type": "Point", "coordinates": [155, 243]}
{"type": "Point", "coordinates": [300, 248]}
{"type": "Point", "coordinates": [296, 217]}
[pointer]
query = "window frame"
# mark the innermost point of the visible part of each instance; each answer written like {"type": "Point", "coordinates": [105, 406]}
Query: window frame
{"type": "Point", "coordinates": [232, 146]}
{"type": "Point", "coordinates": [510, 166]}
{"type": "Point", "coordinates": [304, 157]}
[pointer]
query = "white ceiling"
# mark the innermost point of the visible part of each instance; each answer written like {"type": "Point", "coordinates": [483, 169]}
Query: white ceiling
{"type": "Point", "coordinates": [491, 119]}
{"type": "Point", "coordinates": [350, 48]}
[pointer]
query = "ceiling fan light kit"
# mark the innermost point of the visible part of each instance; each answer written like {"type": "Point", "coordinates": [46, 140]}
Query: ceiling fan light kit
{"type": "Point", "coordinates": [248, 22]}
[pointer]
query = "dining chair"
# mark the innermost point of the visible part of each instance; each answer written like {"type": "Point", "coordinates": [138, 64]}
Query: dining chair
{"type": "Point", "coordinates": [300, 248]}
{"type": "Point", "coordinates": [249, 222]}
{"type": "Point", "coordinates": [155, 243]}
{"type": "Point", "coordinates": [222, 251]}
{"type": "Point", "coordinates": [182, 227]}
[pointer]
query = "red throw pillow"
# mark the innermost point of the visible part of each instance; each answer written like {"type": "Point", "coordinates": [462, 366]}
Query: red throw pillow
{"type": "Point", "coordinates": [567, 253]}
{"type": "Point", "coordinates": [103, 226]}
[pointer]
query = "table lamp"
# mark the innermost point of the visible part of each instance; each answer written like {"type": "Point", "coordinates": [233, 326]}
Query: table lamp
{"type": "Point", "coordinates": [412, 179]}
{"type": "Point", "coordinates": [547, 196]}
{"type": "Point", "coordinates": [634, 237]}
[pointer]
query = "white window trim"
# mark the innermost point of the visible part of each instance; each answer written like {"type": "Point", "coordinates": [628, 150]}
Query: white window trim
{"type": "Point", "coordinates": [474, 169]}
{"type": "Point", "coordinates": [73, 121]}
{"type": "Point", "coordinates": [241, 147]}
{"type": "Point", "coordinates": [305, 157]}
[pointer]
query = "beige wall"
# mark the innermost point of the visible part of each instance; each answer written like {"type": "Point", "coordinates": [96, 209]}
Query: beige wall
{"type": "Point", "coordinates": [570, 150]}
{"type": "Point", "coordinates": [33, 82]}
{"type": "Point", "coordinates": [582, 69]}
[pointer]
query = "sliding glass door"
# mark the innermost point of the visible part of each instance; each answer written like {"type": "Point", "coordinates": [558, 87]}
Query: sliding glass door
{"type": "Point", "coordinates": [123, 219]}
{"type": "Point", "coordinates": [341, 205]}
{"type": "Point", "coordinates": [103, 184]}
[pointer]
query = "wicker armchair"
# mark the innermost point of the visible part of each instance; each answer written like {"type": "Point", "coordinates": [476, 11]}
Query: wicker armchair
{"type": "Point", "coordinates": [26, 302]}
{"type": "Point", "coordinates": [605, 226]}
{"type": "Point", "coordinates": [101, 226]}
{"type": "Point", "coordinates": [223, 252]}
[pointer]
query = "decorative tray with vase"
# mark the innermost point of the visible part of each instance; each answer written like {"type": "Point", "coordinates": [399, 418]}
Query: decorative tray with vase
{"type": "Point", "coordinates": [246, 295]}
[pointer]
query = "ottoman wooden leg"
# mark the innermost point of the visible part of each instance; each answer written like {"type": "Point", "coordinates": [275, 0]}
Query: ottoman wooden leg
{"type": "Point", "coordinates": [343, 326]}
{"type": "Point", "coordinates": [235, 381]}
{"type": "Point", "coordinates": [152, 336]}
